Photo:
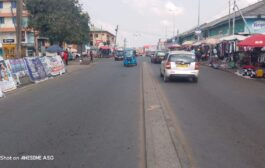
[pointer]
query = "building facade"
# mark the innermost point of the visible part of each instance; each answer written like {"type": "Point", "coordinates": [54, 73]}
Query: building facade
{"type": "Point", "coordinates": [8, 31]}
{"type": "Point", "coordinates": [99, 37]}
{"type": "Point", "coordinates": [255, 23]}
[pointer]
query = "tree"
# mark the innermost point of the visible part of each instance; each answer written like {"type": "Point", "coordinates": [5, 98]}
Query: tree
{"type": "Point", "coordinates": [59, 20]}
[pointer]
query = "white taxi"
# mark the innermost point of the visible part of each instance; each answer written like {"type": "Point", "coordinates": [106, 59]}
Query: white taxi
{"type": "Point", "coordinates": [179, 64]}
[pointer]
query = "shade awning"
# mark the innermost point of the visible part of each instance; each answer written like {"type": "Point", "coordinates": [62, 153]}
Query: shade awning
{"type": "Point", "coordinates": [105, 47]}
{"type": "Point", "coordinates": [188, 43]}
{"type": "Point", "coordinates": [257, 40]}
{"type": "Point", "coordinates": [233, 37]}
{"type": "Point", "coordinates": [174, 46]}
{"type": "Point", "coordinates": [211, 41]}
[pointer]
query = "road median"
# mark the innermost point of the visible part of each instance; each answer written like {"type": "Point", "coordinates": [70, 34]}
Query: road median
{"type": "Point", "coordinates": [160, 149]}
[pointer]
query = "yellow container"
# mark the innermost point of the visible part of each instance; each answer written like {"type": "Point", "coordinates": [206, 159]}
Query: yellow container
{"type": "Point", "coordinates": [259, 73]}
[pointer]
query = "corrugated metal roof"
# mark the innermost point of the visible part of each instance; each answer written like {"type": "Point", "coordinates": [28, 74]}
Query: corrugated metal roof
{"type": "Point", "coordinates": [250, 11]}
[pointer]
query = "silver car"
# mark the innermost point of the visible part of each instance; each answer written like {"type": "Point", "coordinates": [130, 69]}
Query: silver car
{"type": "Point", "coordinates": [179, 64]}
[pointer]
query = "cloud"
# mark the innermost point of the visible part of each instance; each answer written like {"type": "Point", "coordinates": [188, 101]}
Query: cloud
{"type": "Point", "coordinates": [155, 7]}
{"type": "Point", "coordinates": [165, 22]}
{"type": "Point", "coordinates": [172, 8]}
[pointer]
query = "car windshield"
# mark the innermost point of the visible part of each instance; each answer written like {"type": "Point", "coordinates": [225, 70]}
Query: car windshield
{"type": "Point", "coordinates": [128, 53]}
{"type": "Point", "coordinates": [119, 53]}
{"type": "Point", "coordinates": [186, 58]}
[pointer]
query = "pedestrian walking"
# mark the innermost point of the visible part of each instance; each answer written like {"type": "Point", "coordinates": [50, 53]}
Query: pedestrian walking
{"type": "Point", "coordinates": [65, 57]}
{"type": "Point", "coordinates": [91, 56]}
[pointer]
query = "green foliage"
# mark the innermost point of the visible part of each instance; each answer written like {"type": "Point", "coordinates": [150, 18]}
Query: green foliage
{"type": "Point", "coordinates": [59, 20]}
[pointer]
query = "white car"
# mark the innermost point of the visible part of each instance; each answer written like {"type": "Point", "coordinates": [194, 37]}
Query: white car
{"type": "Point", "coordinates": [179, 64]}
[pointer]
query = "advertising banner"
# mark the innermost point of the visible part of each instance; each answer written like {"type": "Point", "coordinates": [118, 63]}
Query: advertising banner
{"type": "Point", "coordinates": [7, 82]}
{"type": "Point", "coordinates": [56, 65]}
{"type": "Point", "coordinates": [18, 67]}
{"type": "Point", "coordinates": [46, 64]}
{"type": "Point", "coordinates": [36, 69]}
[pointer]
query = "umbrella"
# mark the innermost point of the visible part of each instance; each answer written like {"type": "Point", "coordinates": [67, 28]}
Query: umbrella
{"type": "Point", "coordinates": [54, 49]}
{"type": "Point", "coordinates": [257, 40]}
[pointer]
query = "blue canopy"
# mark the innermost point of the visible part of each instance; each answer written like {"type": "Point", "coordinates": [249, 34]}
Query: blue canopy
{"type": "Point", "coordinates": [54, 49]}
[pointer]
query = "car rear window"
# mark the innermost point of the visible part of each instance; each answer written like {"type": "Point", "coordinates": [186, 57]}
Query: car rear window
{"type": "Point", "coordinates": [161, 54]}
{"type": "Point", "coordinates": [128, 53]}
{"type": "Point", "coordinates": [184, 58]}
{"type": "Point", "coordinates": [119, 53]}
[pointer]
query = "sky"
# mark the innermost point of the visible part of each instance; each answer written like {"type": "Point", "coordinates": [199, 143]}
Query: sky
{"type": "Point", "coordinates": [144, 22]}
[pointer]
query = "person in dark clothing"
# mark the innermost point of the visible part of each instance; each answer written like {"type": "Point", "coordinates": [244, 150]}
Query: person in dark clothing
{"type": "Point", "coordinates": [91, 55]}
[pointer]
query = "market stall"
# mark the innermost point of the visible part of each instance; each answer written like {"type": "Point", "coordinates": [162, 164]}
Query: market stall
{"type": "Point", "coordinates": [253, 64]}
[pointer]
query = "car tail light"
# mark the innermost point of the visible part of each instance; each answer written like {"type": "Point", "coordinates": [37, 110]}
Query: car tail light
{"type": "Point", "coordinates": [168, 65]}
{"type": "Point", "coordinates": [197, 66]}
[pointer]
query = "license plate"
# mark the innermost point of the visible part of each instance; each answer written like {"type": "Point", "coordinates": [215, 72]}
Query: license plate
{"type": "Point", "coordinates": [182, 65]}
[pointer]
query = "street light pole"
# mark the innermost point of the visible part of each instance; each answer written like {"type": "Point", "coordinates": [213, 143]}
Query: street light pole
{"type": "Point", "coordinates": [115, 43]}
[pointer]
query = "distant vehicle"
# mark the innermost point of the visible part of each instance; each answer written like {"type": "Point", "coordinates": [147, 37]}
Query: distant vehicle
{"type": "Point", "coordinates": [179, 64]}
{"type": "Point", "coordinates": [158, 57]}
{"type": "Point", "coordinates": [129, 57]}
{"type": "Point", "coordinates": [150, 53]}
{"type": "Point", "coordinates": [118, 55]}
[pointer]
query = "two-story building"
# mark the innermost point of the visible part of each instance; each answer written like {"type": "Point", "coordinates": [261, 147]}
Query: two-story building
{"type": "Point", "coordinates": [8, 31]}
{"type": "Point", "coordinates": [99, 37]}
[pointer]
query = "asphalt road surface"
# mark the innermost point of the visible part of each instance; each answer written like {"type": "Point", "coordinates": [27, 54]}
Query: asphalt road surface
{"type": "Point", "coordinates": [93, 118]}
{"type": "Point", "coordinates": [89, 118]}
{"type": "Point", "coordinates": [222, 118]}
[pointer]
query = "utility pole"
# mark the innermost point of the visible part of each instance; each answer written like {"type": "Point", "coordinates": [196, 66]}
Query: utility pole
{"type": "Point", "coordinates": [19, 7]}
{"type": "Point", "coordinates": [229, 19]}
{"type": "Point", "coordinates": [115, 43]}
{"type": "Point", "coordinates": [125, 41]}
{"type": "Point", "coordinates": [234, 16]}
{"type": "Point", "coordinates": [199, 15]}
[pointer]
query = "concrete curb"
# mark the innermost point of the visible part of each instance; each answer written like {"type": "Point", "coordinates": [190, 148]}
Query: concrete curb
{"type": "Point", "coordinates": [160, 150]}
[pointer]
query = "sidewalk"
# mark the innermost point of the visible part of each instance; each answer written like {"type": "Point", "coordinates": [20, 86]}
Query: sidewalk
{"type": "Point", "coordinates": [233, 71]}
{"type": "Point", "coordinates": [75, 65]}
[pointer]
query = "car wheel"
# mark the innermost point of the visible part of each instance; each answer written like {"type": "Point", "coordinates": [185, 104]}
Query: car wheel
{"type": "Point", "coordinates": [161, 75]}
{"type": "Point", "coordinates": [166, 79]}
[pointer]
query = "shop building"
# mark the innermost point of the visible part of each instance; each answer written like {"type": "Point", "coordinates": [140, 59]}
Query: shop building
{"type": "Point", "coordinates": [8, 31]}
{"type": "Point", "coordinates": [255, 23]}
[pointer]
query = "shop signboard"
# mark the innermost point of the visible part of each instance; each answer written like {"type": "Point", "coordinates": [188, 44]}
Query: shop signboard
{"type": "Point", "coordinates": [8, 41]}
{"type": "Point", "coordinates": [36, 69]}
{"type": "Point", "coordinates": [7, 82]}
{"type": "Point", "coordinates": [256, 25]}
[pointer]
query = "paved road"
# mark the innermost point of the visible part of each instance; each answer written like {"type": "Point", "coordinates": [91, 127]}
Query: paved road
{"type": "Point", "coordinates": [91, 118]}
{"type": "Point", "coordinates": [222, 118]}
